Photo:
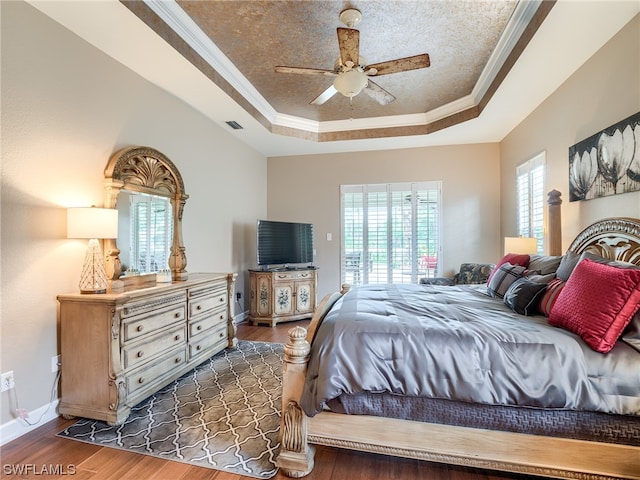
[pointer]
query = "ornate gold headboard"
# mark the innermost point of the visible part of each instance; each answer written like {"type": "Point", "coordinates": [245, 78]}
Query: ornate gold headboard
{"type": "Point", "coordinates": [612, 238]}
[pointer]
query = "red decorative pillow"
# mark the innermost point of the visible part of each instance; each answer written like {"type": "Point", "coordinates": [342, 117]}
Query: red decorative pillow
{"type": "Point", "coordinates": [597, 303]}
{"type": "Point", "coordinates": [550, 295]}
{"type": "Point", "coordinates": [513, 259]}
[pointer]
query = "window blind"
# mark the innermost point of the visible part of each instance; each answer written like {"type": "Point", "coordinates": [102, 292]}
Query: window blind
{"type": "Point", "coordinates": [530, 188]}
{"type": "Point", "coordinates": [390, 232]}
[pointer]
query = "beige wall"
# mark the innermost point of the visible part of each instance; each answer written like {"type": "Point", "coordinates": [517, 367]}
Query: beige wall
{"type": "Point", "coordinates": [65, 108]}
{"type": "Point", "coordinates": [605, 90]}
{"type": "Point", "coordinates": [307, 188]}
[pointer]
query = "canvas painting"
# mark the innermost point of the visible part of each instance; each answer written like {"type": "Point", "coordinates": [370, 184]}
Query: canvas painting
{"type": "Point", "coordinates": [607, 163]}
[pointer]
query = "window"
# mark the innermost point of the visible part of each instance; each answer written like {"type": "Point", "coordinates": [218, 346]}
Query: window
{"type": "Point", "coordinates": [530, 197]}
{"type": "Point", "coordinates": [390, 232]}
{"type": "Point", "coordinates": [151, 218]}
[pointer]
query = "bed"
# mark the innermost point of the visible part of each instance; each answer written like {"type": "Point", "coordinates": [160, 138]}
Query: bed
{"type": "Point", "coordinates": [589, 429]}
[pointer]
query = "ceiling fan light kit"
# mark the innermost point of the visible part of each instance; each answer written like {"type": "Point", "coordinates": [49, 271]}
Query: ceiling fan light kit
{"type": "Point", "coordinates": [352, 72]}
{"type": "Point", "coordinates": [350, 17]}
{"type": "Point", "coordinates": [350, 83]}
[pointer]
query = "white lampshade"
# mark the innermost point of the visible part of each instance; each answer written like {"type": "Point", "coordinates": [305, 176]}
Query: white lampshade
{"type": "Point", "coordinates": [350, 83]}
{"type": "Point", "coordinates": [520, 245]}
{"type": "Point", "coordinates": [92, 222]}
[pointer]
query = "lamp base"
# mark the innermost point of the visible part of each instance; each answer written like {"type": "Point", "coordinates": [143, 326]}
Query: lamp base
{"type": "Point", "coordinates": [104, 290]}
{"type": "Point", "coordinates": [94, 277]}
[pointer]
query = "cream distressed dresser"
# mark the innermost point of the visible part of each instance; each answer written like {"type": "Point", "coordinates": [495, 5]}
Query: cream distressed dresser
{"type": "Point", "coordinates": [119, 348]}
{"type": "Point", "coordinates": [282, 295]}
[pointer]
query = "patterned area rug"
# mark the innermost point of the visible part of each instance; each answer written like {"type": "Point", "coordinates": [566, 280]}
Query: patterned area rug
{"type": "Point", "coordinates": [224, 414]}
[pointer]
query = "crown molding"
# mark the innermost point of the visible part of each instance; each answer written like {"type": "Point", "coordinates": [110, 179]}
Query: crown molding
{"type": "Point", "coordinates": [177, 19]}
{"type": "Point", "coordinates": [517, 24]}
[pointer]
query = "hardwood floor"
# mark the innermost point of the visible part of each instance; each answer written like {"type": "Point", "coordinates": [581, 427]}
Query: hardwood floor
{"type": "Point", "coordinates": [40, 454]}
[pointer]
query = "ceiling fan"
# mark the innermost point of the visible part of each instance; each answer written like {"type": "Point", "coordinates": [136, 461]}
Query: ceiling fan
{"type": "Point", "coordinates": [351, 70]}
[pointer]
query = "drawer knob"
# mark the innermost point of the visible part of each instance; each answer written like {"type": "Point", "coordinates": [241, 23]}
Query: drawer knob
{"type": "Point", "coordinates": [222, 317]}
{"type": "Point", "coordinates": [141, 380]}
{"type": "Point", "coordinates": [177, 337]}
{"type": "Point", "coordinates": [199, 327]}
{"type": "Point", "coordinates": [140, 354]}
{"type": "Point", "coordinates": [177, 315]}
{"type": "Point", "coordinates": [198, 347]}
{"type": "Point", "coordinates": [140, 328]}
{"type": "Point", "coordinates": [222, 299]}
{"type": "Point", "coordinates": [177, 360]}
{"type": "Point", "coordinates": [199, 307]}
{"type": "Point", "coordinates": [221, 334]}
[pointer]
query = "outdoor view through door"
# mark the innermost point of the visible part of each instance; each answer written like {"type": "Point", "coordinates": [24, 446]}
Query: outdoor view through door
{"type": "Point", "coordinates": [390, 232]}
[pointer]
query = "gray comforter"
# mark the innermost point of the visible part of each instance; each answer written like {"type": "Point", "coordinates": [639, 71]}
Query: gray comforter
{"type": "Point", "coordinates": [459, 343]}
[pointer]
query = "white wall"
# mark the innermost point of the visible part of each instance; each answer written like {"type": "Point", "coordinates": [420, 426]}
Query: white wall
{"type": "Point", "coordinates": [307, 188]}
{"type": "Point", "coordinates": [66, 107]}
{"type": "Point", "coordinates": [605, 90]}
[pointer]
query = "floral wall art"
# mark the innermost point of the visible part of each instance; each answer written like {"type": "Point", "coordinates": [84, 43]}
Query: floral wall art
{"type": "Point", "coordinates": [607, 163]}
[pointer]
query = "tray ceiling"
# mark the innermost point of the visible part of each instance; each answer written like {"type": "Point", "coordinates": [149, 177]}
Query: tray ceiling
{"type": "Point", "coordinates": [227, 73]}
{"type": "Point", "coordinates": [470, 44]}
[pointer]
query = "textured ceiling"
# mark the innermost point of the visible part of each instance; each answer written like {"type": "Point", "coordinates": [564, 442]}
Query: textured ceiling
{"type": "Point", "coordinates": [255, 36]}
{"type": "Point", "coordinates": [158, 40]}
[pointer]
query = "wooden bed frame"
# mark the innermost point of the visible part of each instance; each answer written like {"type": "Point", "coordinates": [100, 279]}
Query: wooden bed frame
{"type": "Point", "coordinates": [615, 238]}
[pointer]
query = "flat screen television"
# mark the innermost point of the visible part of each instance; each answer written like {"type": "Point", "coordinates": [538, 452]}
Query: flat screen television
{"type": "Point", "coordinates": [284, 243]}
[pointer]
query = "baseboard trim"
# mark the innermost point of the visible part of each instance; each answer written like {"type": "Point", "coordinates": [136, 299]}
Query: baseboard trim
{"type": "Point", "coordinates": [241, 317]}
{"type": "Point", "coordinates": [17, 427]}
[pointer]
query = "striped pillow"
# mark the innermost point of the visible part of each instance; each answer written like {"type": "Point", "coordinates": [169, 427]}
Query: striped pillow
{"type": "Point", "coordinates": [554, 287]}
{"type": "Point", "coordinates": [503, 277]}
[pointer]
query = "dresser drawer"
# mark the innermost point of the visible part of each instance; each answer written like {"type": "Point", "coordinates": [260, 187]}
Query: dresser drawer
{"type": "Point", "coordinates": [203, 325]}
{"type": "Point", "coordinates": [203, 304]}
{"type": "Point", "coordinates": [151, 304]}
{"type": "Point", "coordinates": [204, 343]}
{"type": "Point", "coordinates": [139, 352]}
{"type": "Point", "coordinates": [151, 321]}
{"type": "Point", "coordinates": [156, 370]}
{"type": "Point", "coordinates": [293, 275]}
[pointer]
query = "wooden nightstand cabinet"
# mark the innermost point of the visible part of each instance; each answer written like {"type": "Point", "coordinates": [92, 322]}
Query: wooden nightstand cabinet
{"type": "Point", "coordinates": [119, 348]}
{"type": "Point", "coordinates": [282, 295]}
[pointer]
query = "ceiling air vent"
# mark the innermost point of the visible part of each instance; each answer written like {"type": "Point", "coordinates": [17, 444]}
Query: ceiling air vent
{"type": "Point", "coordinates": [235, 125]}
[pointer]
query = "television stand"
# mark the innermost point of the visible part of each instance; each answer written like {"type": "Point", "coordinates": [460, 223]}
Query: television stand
{"type": "Point", "coordinates": [282, 295]}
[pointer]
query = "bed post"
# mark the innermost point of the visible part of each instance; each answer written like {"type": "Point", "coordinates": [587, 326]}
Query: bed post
{"type": "Point", "coordinates": [555, 223]}
{"type": "Point", "coordinates": [296, 454]}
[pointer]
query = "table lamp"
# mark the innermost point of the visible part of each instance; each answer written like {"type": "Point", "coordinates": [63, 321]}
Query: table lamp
{"type": "Point", "coordinates": [92, 223]}
{"type": "Point", "coordinates": [520, 245]}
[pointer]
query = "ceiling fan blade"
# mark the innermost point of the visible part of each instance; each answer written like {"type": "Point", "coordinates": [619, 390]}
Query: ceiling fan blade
{"type": "Point", "coordinates": [349, 43]}
{"type": "Point", "coordinates": [400, 65]}
{"type": "Point", "coordinates": [324, 96]}
{"type": "Point", "coordinates": [304, 71]}
{"type": "Point", "coordinates": [378, 93]}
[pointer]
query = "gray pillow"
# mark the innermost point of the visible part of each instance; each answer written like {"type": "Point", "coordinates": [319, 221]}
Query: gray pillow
{"type": "Point", "coordinates": [523, 296]}
{"type": "Point", "coordinates": [544, 279]}
{"type": "Point", "coordinates": [567, 264]}
{"type": "Point", "coordinates": [544, 263]}
{"type": "Point", "coordinates": [502, 279]}
{"type": "Point", "coordinates": [607, 261]}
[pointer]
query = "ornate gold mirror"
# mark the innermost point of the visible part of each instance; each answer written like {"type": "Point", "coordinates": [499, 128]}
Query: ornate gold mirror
{"type": "Point", "coordinates": [141, 179]}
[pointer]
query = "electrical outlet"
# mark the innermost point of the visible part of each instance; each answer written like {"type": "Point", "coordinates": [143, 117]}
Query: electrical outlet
{"type": "Point", "coordinates": [7, 382]}
{"type": "Point", "coordinates": [55, 363]}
